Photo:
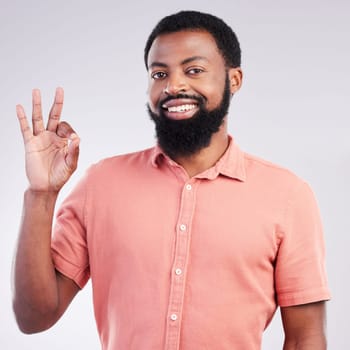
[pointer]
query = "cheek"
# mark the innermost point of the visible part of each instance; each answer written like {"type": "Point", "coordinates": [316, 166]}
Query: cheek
{"type": "Point", "coordinates": [213, 91]}
{"type": "Point", "coordinates": [214, 97]}
{"type": "Point", "coordinates": [154, 95]}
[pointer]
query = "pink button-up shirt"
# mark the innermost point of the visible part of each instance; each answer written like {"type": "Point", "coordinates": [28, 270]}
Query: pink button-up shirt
{"type": "Point", "coordinates": [190, 263]}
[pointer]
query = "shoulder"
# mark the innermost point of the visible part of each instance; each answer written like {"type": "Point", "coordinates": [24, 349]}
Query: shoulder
{"type": "Point", "coordinates": [127, 162]}
{"type": "Point", "coordinates": [273, 180]}
{"type": "Point", "coordinates": [256, 163]}
{"type": "Point", "coordinates": [116, 171]}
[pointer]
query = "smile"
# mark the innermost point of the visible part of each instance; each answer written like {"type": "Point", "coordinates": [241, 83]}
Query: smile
{"type": "Point", "coordinates": [181, 108]}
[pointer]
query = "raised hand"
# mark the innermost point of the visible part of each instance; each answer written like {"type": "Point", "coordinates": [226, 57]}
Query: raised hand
{"type": "Point", "coordinates": [51, 153]}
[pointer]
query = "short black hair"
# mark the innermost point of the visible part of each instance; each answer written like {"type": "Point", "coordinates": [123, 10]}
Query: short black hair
{"type": "Point", "coordinates": [225, 38]}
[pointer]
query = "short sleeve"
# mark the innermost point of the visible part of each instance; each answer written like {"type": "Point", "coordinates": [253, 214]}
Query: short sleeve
{"type": "Point", "coordinates": [300, 274]}
{"type": "Point", "coordinates": [69, 245]}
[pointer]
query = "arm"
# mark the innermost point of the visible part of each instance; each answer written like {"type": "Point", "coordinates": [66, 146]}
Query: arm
{"type": "Point", "coordinates": [304, 326]}
{"type": "Point", "coordinates": [41, 294]}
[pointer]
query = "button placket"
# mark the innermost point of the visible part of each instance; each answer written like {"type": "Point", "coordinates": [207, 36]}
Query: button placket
{"type": "Point", "coordinates": [178, 279]}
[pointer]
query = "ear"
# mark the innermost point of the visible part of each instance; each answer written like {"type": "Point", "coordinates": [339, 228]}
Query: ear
{"type": "Point", "coordinates": [236, 77]}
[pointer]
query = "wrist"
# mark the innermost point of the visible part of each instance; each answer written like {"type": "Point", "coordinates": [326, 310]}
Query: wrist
{"type": "Point", "coordinates": [41, 195]}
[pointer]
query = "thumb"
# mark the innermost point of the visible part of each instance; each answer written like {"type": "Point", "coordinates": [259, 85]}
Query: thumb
{"type": "Point", "coordinates": [73, 151]}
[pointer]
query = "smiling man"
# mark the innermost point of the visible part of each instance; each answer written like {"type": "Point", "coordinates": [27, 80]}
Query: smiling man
{"type": "Point", "coordinates": [192, 244]}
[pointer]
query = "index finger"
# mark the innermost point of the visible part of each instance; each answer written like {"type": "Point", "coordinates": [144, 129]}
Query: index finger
{"type": "Point", "coordinates": [56, 109]}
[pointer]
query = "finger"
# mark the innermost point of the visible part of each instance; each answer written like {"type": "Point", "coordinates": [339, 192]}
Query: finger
{"type": "Point", "coordinates": [64, 130]}
{"type": "Point", "coordinates": [56, 109]}
{"type": "Point", "coordinates": [37, 116]}
{"type": "Point", "coordinates": [73, 152]}
{"type": "Point", "coordinates": [23, 122]}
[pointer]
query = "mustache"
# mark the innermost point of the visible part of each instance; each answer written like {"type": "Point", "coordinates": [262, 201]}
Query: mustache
{"type": "Point", "coordinates": [200, 99]}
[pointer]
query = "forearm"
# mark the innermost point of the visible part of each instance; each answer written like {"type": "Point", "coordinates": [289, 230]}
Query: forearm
{"type": "Point", "coordinates": [317, 342]}
{"type": "Point", "coordinates": [35, 284]}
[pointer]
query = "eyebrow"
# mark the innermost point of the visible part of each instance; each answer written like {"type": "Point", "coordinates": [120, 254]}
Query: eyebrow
{"type": "Point", "coordinates": [185, 61]}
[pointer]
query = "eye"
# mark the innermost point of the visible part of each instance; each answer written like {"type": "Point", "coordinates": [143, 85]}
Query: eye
{"type": "Point", "coordinates": [195, 71]}
{"type": "Point", "coordinates": [158, 75]}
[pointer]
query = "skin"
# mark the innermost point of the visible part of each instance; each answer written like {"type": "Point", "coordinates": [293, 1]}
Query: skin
{"type": "Point", "coordinates": [187, 62]}
{"type": "Point", "coordinates": [305, 326]}
{"type": "Point", "coordinates": [41, 294]}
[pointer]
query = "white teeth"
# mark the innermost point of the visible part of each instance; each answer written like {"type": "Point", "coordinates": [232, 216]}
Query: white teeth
{"type": "Point", "coordinates": [182, 108]}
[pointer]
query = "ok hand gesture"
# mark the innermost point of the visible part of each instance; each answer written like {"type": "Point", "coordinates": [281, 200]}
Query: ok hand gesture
{"type": "Point", "coordinates": [51, 153]}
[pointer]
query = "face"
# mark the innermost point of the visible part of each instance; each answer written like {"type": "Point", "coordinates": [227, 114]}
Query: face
{"type": "Point", "coordinates": [189, 90]}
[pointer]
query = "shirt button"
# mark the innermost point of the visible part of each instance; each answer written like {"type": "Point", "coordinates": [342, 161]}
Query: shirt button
{"type": "Point", "coordinates": [178, 271]}
{"type": "Point", "coordinates": [188, 187]}
{"type": "Point", "coordinates": [183, 227]}
{"type": "Point", "coordinates": [173, 317]}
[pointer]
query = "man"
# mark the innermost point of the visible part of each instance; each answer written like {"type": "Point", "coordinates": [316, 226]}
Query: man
{"type": "Point", "coordinates": [191, 244]}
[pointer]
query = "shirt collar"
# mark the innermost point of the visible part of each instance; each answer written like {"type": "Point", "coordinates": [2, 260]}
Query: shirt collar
{"type": "Point", "coordinates": [231, 164]}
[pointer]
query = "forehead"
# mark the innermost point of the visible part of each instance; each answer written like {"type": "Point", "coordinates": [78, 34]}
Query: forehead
{"type": "Point", "coordinates": [176, 47]}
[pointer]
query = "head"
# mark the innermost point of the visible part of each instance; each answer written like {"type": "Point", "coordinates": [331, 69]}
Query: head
{"type": "Point", "coordinates": [225, 39]}
{"type": "Point", "coordinates": [193, 60]}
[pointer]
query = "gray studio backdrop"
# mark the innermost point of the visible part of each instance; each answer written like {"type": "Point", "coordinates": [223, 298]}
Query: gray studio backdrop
{"type": "Point", "coordinates": [293, 109]}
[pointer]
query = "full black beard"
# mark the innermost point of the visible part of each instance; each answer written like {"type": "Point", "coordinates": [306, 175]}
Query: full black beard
{"type": "Point", "coordinates": [183, 138]}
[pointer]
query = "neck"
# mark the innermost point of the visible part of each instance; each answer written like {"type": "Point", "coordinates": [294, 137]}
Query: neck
{"type": "Point", "coordinates": [208, 156]}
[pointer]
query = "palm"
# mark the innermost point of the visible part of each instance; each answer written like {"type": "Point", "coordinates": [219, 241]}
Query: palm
{"type": "Point", "coordinates": [50, 160]}
{"type": "Point", "coordinates": [46, 165]}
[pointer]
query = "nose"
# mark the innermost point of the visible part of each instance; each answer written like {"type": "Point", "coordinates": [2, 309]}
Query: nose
{"type": "Point", "coordinates": [176, 83]}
